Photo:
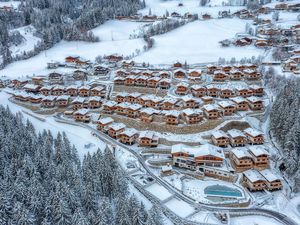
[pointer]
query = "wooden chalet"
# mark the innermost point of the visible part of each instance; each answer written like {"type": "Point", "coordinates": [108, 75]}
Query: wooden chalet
{"type": "Point", "coordinates": [153, 82]}
{"type": "Point", "coordinates": [257, 90]}
{"type": "Point", "coordinates": [226, 92]}
{"type": "Point", "coordinates": [82, 115]}
{"type": "Point", "coordinates": [211, 68]}
{"type": "Point", "coordinates": [58, 90]}
{"type": "Point", "coordinates": [164, 83]}
{"type": "Point", "coordinates": [206, 16]}
{"type": "Point", "coordinates": [211, 111]}
{"type": "Point", "coordinates": [226, 68]}
{"type": "Point", "coordinates": [32, 88]}
{"type": "Point", "coordinates": [191, 157]}
{"type": "Point", "coordinates": [55, 78]}
{"type": "Point", "coordinates": [62, 101]}
{"type": "Point", "coordinates": [240, 103]}
{"type": "Point", "coordinates": [172, 117]}
{"type": "Point", "coordinates": [164, 74]}
{"type": "Point", "coordinates": [133, 110]}
{"type": "Point", "coordinates": [80, 75]}
{"type": "Point", "coordinates": [253, 180]}
{"type": "Point", "coordinates": [38, 80]}
{"type": "Point", "coordinates": [113, 58]}
{"type": "Point", "coordinates": [235, 74]}
{"type": "Point", "coordinates": [119, 80]}
{"type": "Point", "coordinates": [128, 136]}
{"type": "Point", "coordinates": [46, 90]}
{"type": "Point", "coordinates": [148, 139]}
{"type": "Point", "coordinates": [109, 107]}
{"type": "Point", "coordinates": [133, 97]}
{"type": "Point", "coordinates": [78, 103]}
{"type": "Point", "coordinates": [48, 101]}
{"type": "Point", "coordinates": [98, 91]}
{"type": "Point", "coordinates": [194, 73]}
{"type": "Point", "coordinates": [146, 114]}
{"type": "Point", "coordinates": [219, 138]}
{"type": "Point", "coordinates": [130, 80]}
{"type": "Point", "coordinates": [71, 59]}
{"type": "Point", "coordinates": [21, 96]}
{"type": "Point", "coordinates": [251, 74]}
{"type": "Point", "coordinates": [207, 100]}
{"type": "Point", "coordinates": [128, 63]}
{"type": "Point", "coordinates": [241, 159]}
{"type": "Point", "coordinates": [179, 73]}
{"type": "Point", "coordinates": [212, 90]}
{"type": "Point", "coordinates": [19, 82]}
{"type": "Point", "coordinates": [100, 70]}
{"type": "Point", "coordinates": [254, 136]}
{"type": "Point", "coordinates": [103, 122]}
{"type": "Point", "coordinates": [122, 73]}
{"type": "Point", "coordinates": [198, 90]}
{"type": "Point", "coordinates": [177, 65]}
{"type": "Point", "coordinates": [94, 102]}
{"type": "Point", "coordinates": [115, 129]}
{"type": "Point", "coordinates": [141, 81]}
{"type": "Point", "coordinates": [169, 103]}
{"type": "Point", "coordinates": [84, 91]}
{"type": "Point", "coordinates": [121, 97]}
{"type": "Point", "coordinates": [227, 108]}
{"type": "Point", "coordinates": [182, 89]}
{"type": "Point", "coordinates": [35, 99]}
{"type": "Point", "coordinates": [237, 138]}
{"type": "Point", "coordinates": [261, 43]}
{"type": "Point", "coordinates": [243, 91]}
{"type": "Point", "coordinates": [255, 103]}
{"type": "Point", "coordinates": [219, 76]}
{"type": "Point", "coordinates": [189, 102]}
{"type": "Point", "coordinates": [273, 182]}
{"type": "Point", "coordinates": [72, 90]}
{"type": "Point", "coordinates": [192, 116]}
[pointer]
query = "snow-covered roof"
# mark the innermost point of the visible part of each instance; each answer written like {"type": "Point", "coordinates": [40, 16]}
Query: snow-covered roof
{"type": "Point", "coordinates": [253, 132]}
{"type": "Point", "coordinates": [82, 111]}
{"type": "Point", "coordinates": [225, 104]}
{"type": "Point", "coordinates": [235, 133]}
{"type": "Point", "coordinates": [170, 100]}
{"type": "Point", "coordinates": [269, 175]}
{"type": "Point", "coordinates": [129, 132]}
{"type": "Point", "coordinates": [122, 94]}
{"type": "Point", "coordinates": [84, 87]}
{"type": "Point", "coordinates": [258, 150]}
{"type": "Point", "coordinates": [31, 86]}
{"type": "Point", "coordinates": [166, 168]}
{"type": "Point", "coordinates": [219, 134]}
{"type": "Point", "coordinates": [46, 88]}
{"type": "Point", "coordinates": [98, 88]}
{"type": "Point", "coordinates": [58, 87]}
{"type": "Point", "coordinates": [182, 84]}
{"type": "Point", "coordinates": [254, 99]}
{"type": "Point", "coordinates": [190, 112]}
{"type": "Point", "coordinates": [201, 150]}
{"type": "Point", "coordinates": [78, 100]}
{"type": "Point", "coordinates": [253, 175]}
{"type": "Point", "coordinates": [117, 126]}
{"type": "Point", "coordinates": [106, 120]}
{"type": "Point", "coordinates": [173, 113]}
{"type": "Point", "coordinates": [134, 94]}
{"type": "Point", "coordinates": [210, 107]}
{"type": "Point", "coordinates": [179, 70]}
{"type": "Point", "coordinates": [149, 111]}
{"type": "Point", "coordinates": [49, 98]}
{"type": "Point", "coordinates": [148, 134]}
{"type": "Point", "coordinates": [72, 87]}
{"type": "Point", "coordinates": [135, 106]}
{"type": "Point", "coordinates": [238, 99]}
{"type": "Point", "coordinates": [110, 103]}
{"type": "Point", "coordinates": [94, 98]}
{"type": "Point", "coordinates": [240, 152]}
{"type": "Point", "coordinates": [197, 86]}
{"type": "Point", "coordinates": [63, 98]}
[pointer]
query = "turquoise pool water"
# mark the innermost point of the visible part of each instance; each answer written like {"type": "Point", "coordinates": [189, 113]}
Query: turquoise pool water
{"type": "Point", "coordinates": [222, 191]}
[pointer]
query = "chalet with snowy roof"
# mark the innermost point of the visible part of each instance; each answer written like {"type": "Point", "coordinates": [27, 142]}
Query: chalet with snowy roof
{"type": "Point", "coordinates": [146, 114]}
{"type": "Point", "coordinates": [172, 117]}
{"type": "Point", "coordinates": [257, 90]}
{"type": "Point", "coordinates": [295, 58]}
{"type": "Point", "coordinates": [48, 101]}
{"type": "Point", "coordinates": [207, 100]}
{"type": "Point", "coordinates": [32, 88]}
{"type": "Point", "coordinates": [255, 137]}
{"type": "Point", "coordinates": [253, 180]}
{"type": "Point", "coordinates": [80, 75]}
{"type": "Point", "coordinates": [153, 82]}
{"type": "Point", "coordinates": [98, 91]}
{"type": "Point", "coordinates": [194, 73]}
{"type": "Point", "coordinates": [227, 108]}
{"type": "Point", "coordinates": [113, 58]}
{"type": "Point", "coordinates": [235, 74]}
{"type": "Point", "coordinates": [103, 122]}
{"type": "Point", "coordinates": [219, 76]}
{"type": "Point", "coordinates": [206, 16]}
{"type": "Point", "coordinates": [260, 156]}
{"type": "Point", "coordinates": [55, 78]}
{"type": "Point", "coordinates": [121, 97]}
{"type": "Point", "coordinates": [243, 41]}
{"type": "Point", "coordinates": [19, 82]}
{"type": "Point", "coordinates": [211, 68]}
{"type": "Point", "coordinates": [84, 91]}
{"type": "Point", "coordinates": [179, 73]}
{"type": "Point", "coordinates": [240, 103]}
{"type": "Point", "coordinates": [38, 80]}
{"type": "Point", "coordinates": [261, 43]}
{"type": "Point", "coordinates": [148, 139]}
{"type": "Point", "coordinates": [211, 111]}
{"type": "Point", "coordinates": [100, 70]}
{"type": "Point", "coordinates": [169, 103]}
{"type": "Point", "coordinates": [177, 65]}
{"type": "Point", "coordinates": [133, 97]}
{"type": "Point", "coordinates": [164, 74]}
{"type": "Point", "coordinates": [128, 136]}
{"type": "Point", "coordinates": [78, 103]}
{"type": "Point", "coordinates": [182, 89]}
{"type": "Point", "coordinates": [141, 81]}
{"type": "Point", "coordinates": [243, 91]}
{"type": "Point", "coordinates": [273, 181]}
{"type": "Point", "coordinates": [71, 59]}
{"type": "Point", "coordinates": [237, 138]}
{"type": "Point", "coordinates": [128, 63]}
{"type": "Point", "coordinates": [189, 102]}
{"type": "Point", "coordinates": [154, 102]}
{"type": "Point", "coordinates": [198, 90]}
{"type": "Point", "coordinates": [82, 115]}
{"type": "Point", "coordinates": [212, 90]}
{"type": "Point", "coordinates": [133, 110]}
{"type": "Point", "coordinates": [219, 138]}
{"type": "Point", "coordinates": [35, 99]}
{"type": "Point", "coordinates": [289, 65]}
{"type": "Point", "coordinates": [62, 101]}
{"type": "Point", "coordinates": [109, 107]}
{"type": "Point", "coordinates": [241, 159]}
{"type": "Point", "coordinates": [121, 108]}
{"type": "Point", "coordinates": [119, 80]}
{"type": "Point", "coordinates": [58, 90]}
{"type": "Point", "coordinates": [251, 74]}
{"type": "Point", "coordinates": [226, 92]}
{"type": "Point", "coordinates": [21, 96]}
{"type": "Point", "coordinates": [191, 157]}
{"type": "Point", "coordinates": [281, 6]}
{"type": "Point", "coordinates": [166, 170]}
{"type": "Point", "coordinates": [192, 116]}
{"type": "Point", "coordinates": [226, 68]}
{"type": "Point", "coordinates": [147, 73]}
{"type": "Point", "coordinates": [130, 80]}
{"type": "Point", "coordinates": [115, 129]}
{"type": "Point", "coordinates": [46, 90]}
{"type": "Point", "coordinates": [164, 83]}
{"type": "Point", "coordinates": [94, 102]}
{"type": "Point", "coordinates": [255, 103]}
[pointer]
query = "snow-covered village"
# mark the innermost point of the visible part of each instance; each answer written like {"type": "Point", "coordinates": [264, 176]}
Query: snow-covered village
{"type": "Point", "coordinates": [149, 112]}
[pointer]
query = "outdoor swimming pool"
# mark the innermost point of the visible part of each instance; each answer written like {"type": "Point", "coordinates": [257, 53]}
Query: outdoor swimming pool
{"type": "Point", "coordinates": [222, 191]}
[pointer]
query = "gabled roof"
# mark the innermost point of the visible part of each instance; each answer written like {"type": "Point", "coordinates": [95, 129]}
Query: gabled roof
{"type": "Point", "coordinates": [253, 175]}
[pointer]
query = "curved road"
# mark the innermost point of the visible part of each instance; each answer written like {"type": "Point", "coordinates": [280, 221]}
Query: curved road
{"type": "Point", "coordinates": [232, 211]}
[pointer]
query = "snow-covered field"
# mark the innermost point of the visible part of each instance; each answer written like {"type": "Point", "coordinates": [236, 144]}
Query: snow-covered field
{"type": "Point", "coordinates": [253, 220]}
{"type": "Point", "coordinates": [198, 42]}
{"type": "Point", "coordinates": [159, 191]}
{"type": "Point", "coordinates": [179, 207]}
{"type": "Point", "coordinates": [115, 30]}
{"type": "Point", "coordinates": [37, 64]}
{"type": "Point", "coordinates": [80, 137]}
{"type": "Point", "coordinates": [159, 7]}
{"type": "Point", "coordinates": [28, 43]}
{"type": "Point", "coordinates": [205, 217]}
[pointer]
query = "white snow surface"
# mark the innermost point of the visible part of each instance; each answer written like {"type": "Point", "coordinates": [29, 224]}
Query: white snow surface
{"type": "Point", "coordinates": [198, 42]}
{"type": "Point", "coordinates": [159, 191]}
{"type": "Point", "coordinates": [180, 207]}
{"type": "Point", "coordinates": [253, 220]}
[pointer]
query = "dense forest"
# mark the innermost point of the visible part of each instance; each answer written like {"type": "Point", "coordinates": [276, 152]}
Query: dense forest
{"type": "Point", "coordinates": [42, 181]}
{"type": "Point", "coordinates": [55, 20]}
{"type": "Point", "coordinates": [285, 127]}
